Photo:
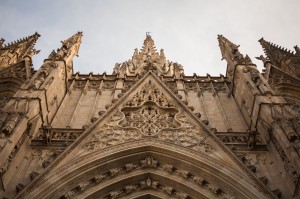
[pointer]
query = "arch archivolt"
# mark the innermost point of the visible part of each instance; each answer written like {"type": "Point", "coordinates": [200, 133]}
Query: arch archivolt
{"type": "Point", "coordinates": [145, 166]}
{"type": "Point", "coordinates": [147, 173]}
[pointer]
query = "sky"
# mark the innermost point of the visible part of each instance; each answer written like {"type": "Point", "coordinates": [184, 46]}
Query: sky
{"type": "Point", "coordinates": [186, 30]}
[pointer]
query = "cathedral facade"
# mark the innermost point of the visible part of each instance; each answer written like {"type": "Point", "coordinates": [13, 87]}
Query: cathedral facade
{"type": "Point", "coordinates": [148, 130]}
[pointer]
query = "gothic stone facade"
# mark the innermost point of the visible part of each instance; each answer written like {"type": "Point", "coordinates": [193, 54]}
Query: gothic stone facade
{"type": "Point", "coordinates": [147, 130]}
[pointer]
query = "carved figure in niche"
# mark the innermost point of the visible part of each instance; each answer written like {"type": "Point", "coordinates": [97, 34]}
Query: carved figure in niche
{"type": "Point", "coordinates": [251, 139]}
{"type": "Point", "coordinates": [47, 135]}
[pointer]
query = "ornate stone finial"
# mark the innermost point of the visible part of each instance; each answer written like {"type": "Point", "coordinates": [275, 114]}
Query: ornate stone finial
{"type": "Point", "coordinates": [148, 58]}
{"type": "Point", "coordinates": [282, 58]}
{"type": "Point", "coordinates": [274, 52]}
{"type": "Point", "coordinates": [70, 47]}
{"type": "Point", "coordinates": [231, 54]}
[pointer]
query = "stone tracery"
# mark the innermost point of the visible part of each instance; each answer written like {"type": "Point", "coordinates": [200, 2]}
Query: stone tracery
{"type": "Point", "coordinates": [149, 114]}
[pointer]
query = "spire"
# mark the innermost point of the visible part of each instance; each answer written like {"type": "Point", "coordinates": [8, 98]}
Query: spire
{"type": "Point", "coordinates": [274, 52]}
{"type": "Point", "coordinates": [16, 51]}
{"type": "Point", "coordinates": [149, 49]}
{"type": "Point", "coordinates": [69, 48]}
{"type": "Point", "coordinates": [230, 51]}
{"type": "Point", "coordinates": [282, 58]}
{"type": "Point", "coordinates": [231, 54]}
{"type": "Point", "coordinates": [148, 58]}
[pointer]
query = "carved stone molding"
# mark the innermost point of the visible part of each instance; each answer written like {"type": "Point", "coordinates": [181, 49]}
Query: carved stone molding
{"type": "Point", "coordinates": [172, 86]}
{"type": "Point", "coordinates": [79, 85]}
{"type": "Point", "coordinates": [56, 137]}
{"type": "Point", "coordinates": [108, 85]}
{"type": "Point", "coordinates": [149, 113]}
{"type": "Point", "coordinates": [147, 162]}
{"type": "Point", "coordinates": [94, 85]}
{"type": "Point", "coordinates": [149, 92]}
{"type": "Point", "coordinates": [150, 119]}
{"type": "Point", "coordinates": [185, 133]}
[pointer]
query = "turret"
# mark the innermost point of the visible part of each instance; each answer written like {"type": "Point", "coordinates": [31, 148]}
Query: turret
{"type": "Point", "coordinates": [17, 51]}
{"type": "Point", "coordinates": [15, 65]}
{"type": "Point", "coordinates": [282, 58]}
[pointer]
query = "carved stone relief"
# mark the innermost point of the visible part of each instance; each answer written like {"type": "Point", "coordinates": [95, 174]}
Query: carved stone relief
{"type": "Point", "coordinates": [220, 88]}
{"type": "Point", "coordinates": [148, 183]}
{"type": "Point", "coordinates": [286, 120]}
{"type": "Point", "coordinates": [94, 85]}
{"type": "Point", "coordinates": [149, 119]}
{"type": "Point", "coordinates": [127, 86]}
{"type": "Point", "coordinates": [184, 133]}
{"type": "Point", "coordinates": [49, 135]}
{"type": "Point", "coordinates": [108, 85]}
{"type": "Point", "coordinates": [149, 92]}
{"type": "Point", "coordinates": [172, 86]}
{"type": "Point", "coordinates": [287, 164]}
{"type": "Point", "coordinates": [46, 155]}
{"type": "Point", "coordinates": [79, 85]}
{"type": "Point", "coordinates": [190, 86]}
{"type": "Point", "coordinates": [44, 72]}
{"type": "Point", "coordinates": [205, 87]}
{"type": "Point", "coordinates": [149, 114]}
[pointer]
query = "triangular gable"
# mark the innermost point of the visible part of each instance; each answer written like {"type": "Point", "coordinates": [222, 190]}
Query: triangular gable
{"type": "Point", "coordinates": [150, 111]}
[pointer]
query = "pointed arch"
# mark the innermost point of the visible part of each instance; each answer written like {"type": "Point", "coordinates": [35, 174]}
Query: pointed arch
{"type": "Point", "coordinates": [123, 171]}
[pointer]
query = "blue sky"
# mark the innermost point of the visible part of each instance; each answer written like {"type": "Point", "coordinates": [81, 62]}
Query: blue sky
{"type": "Point", "coordinates": [187, 30]}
